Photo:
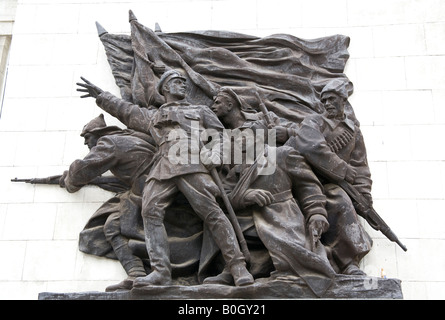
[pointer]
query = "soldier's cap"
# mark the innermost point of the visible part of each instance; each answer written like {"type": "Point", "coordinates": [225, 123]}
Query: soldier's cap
{"type": "Point", "coordinates": [231, 94]}
{"type": "Point", "coordinates": [167, 76]}
{"type": "Point", "coordinates": [337, 86]}
{"type": "Point", "coordinates": [98, 126]}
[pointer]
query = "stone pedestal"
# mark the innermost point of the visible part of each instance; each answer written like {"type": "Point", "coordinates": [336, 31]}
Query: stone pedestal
{"type": "Point", "coordinates": [344, 287]}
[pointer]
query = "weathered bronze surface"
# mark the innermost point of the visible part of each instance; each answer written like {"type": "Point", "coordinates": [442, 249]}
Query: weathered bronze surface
{"type": "Point", "coordinates": [242, 171]}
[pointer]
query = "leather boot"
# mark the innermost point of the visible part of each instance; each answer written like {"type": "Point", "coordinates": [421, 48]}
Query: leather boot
{"type": "Point", "coordinates": [125, 284]}
{"type": "Point", "coordinates": [159, 254]}
{"type": "Point", "coordinates": [241, 276]}
{"type": "Point", "coordinates": [225, 238]}
{"type": "Point", "coordinates": [224, 278]}
{"type": "Point", "coordinates": [133, 265]}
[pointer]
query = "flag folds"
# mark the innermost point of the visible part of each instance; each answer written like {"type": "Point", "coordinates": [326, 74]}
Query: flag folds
{"type": "Point", "coordinates": [287, 72]}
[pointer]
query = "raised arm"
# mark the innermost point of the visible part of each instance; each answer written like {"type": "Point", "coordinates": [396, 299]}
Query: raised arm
{"type": "Point", "coordinates": [90, 89]}
{"type": "Point", "coordinates": [132, 115]}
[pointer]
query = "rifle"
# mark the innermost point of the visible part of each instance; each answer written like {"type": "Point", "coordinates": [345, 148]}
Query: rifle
{"type": "Point", "coordinates": [361, 204]}
{"type": "Point", "coordinates": [263, 109]}
{"type": "Point", "coordinates": [232, 215]}
{"type": "Point", "coordinates": [107, 183]}
{"type": "Point", "coordinates": [365, 210]}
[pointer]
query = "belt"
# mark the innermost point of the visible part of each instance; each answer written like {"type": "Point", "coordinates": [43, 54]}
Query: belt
{"type": "Point", "coordinates": [283, 196]}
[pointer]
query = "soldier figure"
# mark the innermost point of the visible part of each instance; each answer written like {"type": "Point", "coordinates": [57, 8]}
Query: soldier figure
{"type": "Point", "coordinates": [167, 179]}
{"type": "Point", "coordinates": [333, 145]}
{"type": "Point", "coordinates": [127, 154]}
{"type": "Point", "coordinates": [280, 222]}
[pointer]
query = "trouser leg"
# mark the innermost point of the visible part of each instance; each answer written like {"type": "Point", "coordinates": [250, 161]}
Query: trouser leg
{"type": "Point", "coordinates": [158, 195]}
{"type": "Point", "coordinates": [201, 190]}
{"type": "Point", "coordinates": [132, 264]}
{"type": "Point", "coordinates": [309, 191]}
{"type": "Point", "coordinates": [346, 237]}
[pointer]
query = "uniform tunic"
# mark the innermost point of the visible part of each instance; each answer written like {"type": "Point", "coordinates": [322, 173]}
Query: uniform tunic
{"type": "Point", "coordinates": [330, 145]}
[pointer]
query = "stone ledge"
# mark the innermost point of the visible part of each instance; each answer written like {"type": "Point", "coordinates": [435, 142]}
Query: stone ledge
{"type": "Point", "coordinates": [344, 287]}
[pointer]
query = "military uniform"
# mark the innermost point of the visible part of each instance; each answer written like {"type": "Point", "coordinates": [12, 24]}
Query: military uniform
{"type": "Point", "coordinates": [166, 179]}
{"type": "Point", "coordinates": [281, 225]}
{"type": "Point", "coordinates": [127, 154]}
{"type": "Point", "coordinates": [330, 145]}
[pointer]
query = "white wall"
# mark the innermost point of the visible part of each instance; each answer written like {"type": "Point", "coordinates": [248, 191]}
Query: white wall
{"type": "Point", "coordinates": [397, 65]}
{"type": "Point", "coordinates": [7, 15]}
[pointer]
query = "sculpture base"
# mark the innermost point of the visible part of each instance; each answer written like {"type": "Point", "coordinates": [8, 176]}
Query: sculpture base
{"type": "Point", "coordinates": [343, 287]}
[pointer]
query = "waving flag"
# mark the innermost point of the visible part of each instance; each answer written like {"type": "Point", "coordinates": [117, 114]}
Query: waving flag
{"type": "Point", "coordinates": [288, 73]}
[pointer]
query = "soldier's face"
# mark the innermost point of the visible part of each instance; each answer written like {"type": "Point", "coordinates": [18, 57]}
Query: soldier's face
{"type": "Point", "coordinates": [222, 105]}
{"type": "Point", "coordinates": [177, 88]}
{"type": "Point", "coordinates": [334, 104]}
{"type": "Point", "coordinates": [90, 140]}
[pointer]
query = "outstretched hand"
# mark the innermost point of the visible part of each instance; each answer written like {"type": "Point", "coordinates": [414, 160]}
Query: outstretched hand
{"type": "Point", "coordinates": [91, 89]}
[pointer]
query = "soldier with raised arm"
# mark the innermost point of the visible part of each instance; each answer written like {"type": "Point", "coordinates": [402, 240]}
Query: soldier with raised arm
{"type": "Point", "coordinates": [166, 178]}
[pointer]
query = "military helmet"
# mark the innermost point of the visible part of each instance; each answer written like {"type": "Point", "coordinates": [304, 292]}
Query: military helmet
{"type": "Point", "coordinates": [98, 127]}
{"type": "Point", "coordinates": [167, 76]}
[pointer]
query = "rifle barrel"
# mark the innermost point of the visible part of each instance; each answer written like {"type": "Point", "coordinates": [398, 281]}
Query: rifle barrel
{"type": "Point", "coordinates": [375, 220]}
{"type": "Point", "coordinates": [47, 180]}
{"type": "Point", "coordinates": [20, 180]}
{"type": "Point", "coordinates": [401, 245]}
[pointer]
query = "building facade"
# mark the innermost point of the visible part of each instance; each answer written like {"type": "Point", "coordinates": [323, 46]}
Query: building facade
{"type": "Point", "coordinates": [397, 58]}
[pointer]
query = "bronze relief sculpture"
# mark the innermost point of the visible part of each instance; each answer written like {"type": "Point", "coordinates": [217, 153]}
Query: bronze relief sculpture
{"type": "Point", "coordinates": [242, 165]}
